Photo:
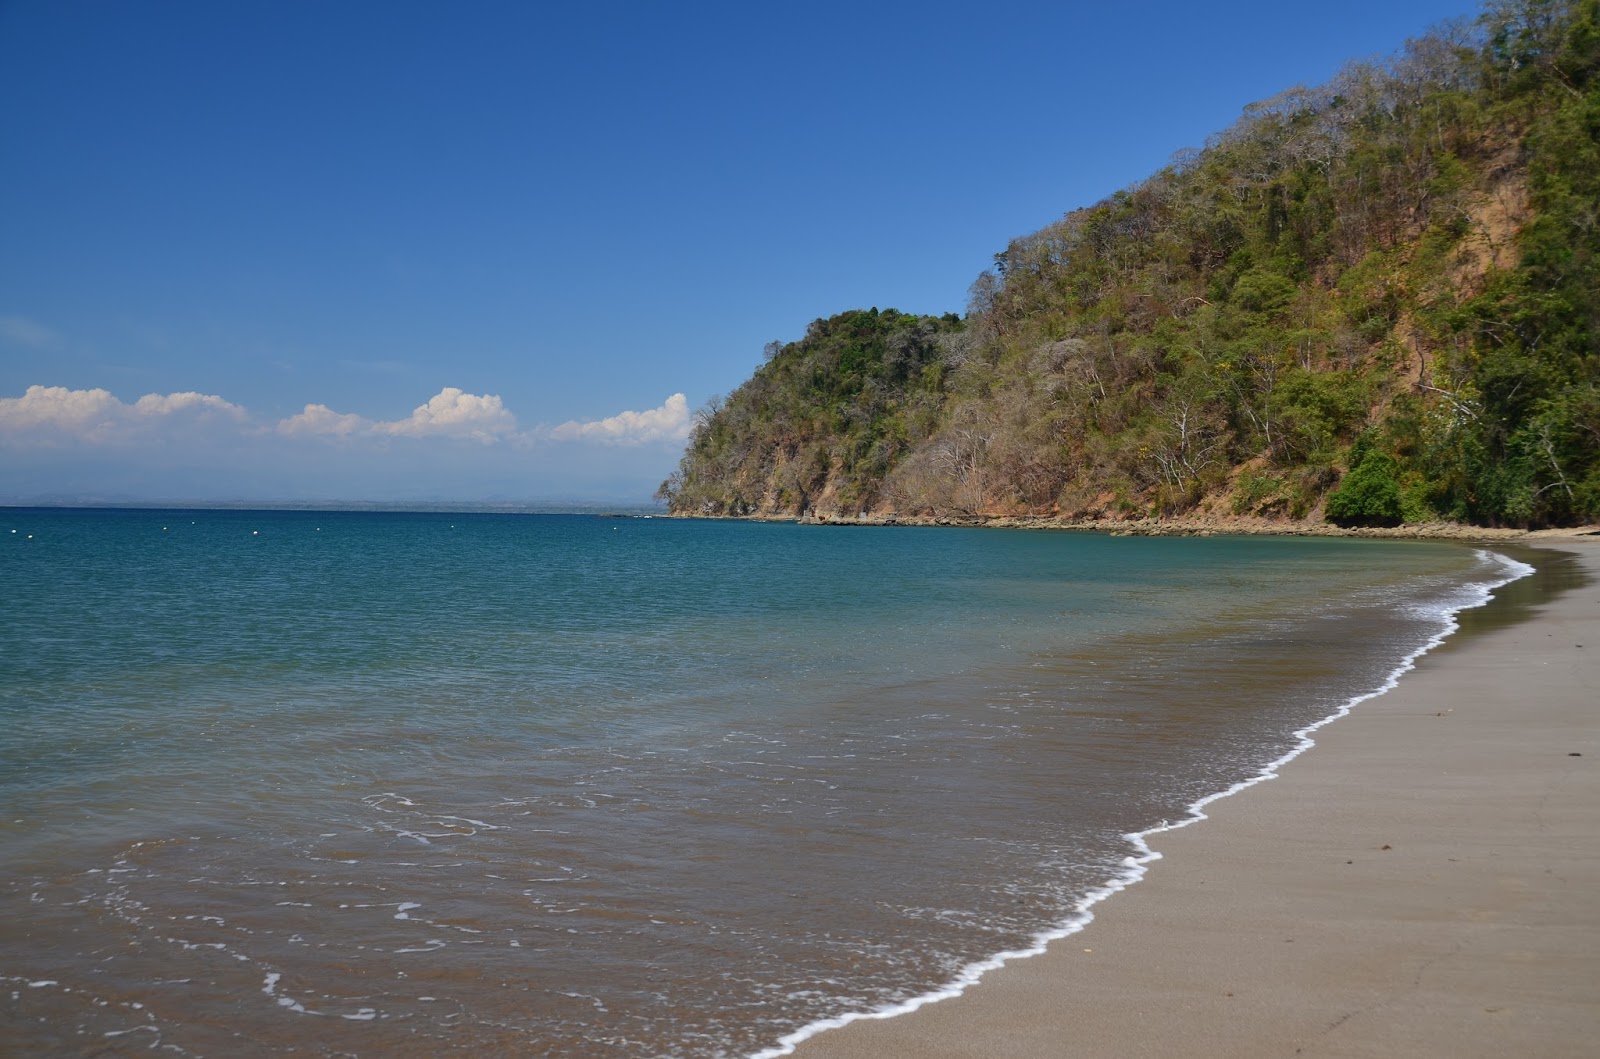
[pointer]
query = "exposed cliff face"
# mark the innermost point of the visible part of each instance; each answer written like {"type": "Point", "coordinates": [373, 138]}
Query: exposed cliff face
{"type": "Point", "coordinates": [1392, 280]}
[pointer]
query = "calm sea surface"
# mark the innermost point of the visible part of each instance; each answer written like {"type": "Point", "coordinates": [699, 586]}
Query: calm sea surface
{"type": "Point", "coordinates": [418, 784]}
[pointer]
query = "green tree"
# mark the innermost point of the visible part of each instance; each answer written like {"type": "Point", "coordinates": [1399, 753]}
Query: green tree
{"type": "Point", "coordinates": [1370, 494]}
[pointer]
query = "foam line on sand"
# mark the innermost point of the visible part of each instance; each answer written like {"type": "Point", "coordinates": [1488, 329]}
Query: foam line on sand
{"type": "Point", "coordinates": [1427, 883]}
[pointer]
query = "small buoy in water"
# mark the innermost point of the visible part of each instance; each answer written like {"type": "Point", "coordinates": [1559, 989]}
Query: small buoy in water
{"type": "Point", "coordinates": [255, 533]}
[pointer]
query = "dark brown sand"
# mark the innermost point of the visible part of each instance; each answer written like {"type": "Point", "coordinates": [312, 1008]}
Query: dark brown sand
{"type": "Point", "coordinates": [1424, 882]}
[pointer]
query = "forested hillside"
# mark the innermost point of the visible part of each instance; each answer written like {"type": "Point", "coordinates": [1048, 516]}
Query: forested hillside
{"type": "Point", "coordinates": [1373, 301]}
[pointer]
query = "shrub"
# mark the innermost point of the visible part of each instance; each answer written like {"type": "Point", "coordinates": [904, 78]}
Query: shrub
{"type": "Point", "coordinates": [1369, 494]}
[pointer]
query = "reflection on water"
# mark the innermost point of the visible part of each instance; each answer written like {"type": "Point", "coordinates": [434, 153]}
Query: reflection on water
{"type": "Point", "coordinates": [1554, 573]}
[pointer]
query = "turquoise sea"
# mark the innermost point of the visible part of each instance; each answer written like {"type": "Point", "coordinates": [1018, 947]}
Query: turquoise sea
{"type": "Point", "coordinates": [387, 784]}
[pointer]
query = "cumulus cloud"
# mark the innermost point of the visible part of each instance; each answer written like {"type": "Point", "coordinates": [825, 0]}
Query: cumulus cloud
{"type": "Point", "coordinates": [669, 422]}
{"type": "Point", "coordinates": [157, 404]}
{"type": "Point", "coordinates": [24, 332]}
{"type": "Point", "coordinates": [319, 419]}
{"type": "Point", "coordinates": [55, 413]}
{"type": "Point", "coordinates": [56, 406]}
{"type": "Point", "coordinates": [450, 413]}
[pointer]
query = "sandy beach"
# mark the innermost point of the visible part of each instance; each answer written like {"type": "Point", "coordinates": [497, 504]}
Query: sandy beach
{"type": "Point", "coordinates": [1423, 882]}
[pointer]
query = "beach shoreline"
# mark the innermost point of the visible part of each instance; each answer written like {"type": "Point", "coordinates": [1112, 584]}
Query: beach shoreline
{"type": "Point", "coordinates": [1187, 525]}
{"type": "Point", "coordinates": [1422, 883]}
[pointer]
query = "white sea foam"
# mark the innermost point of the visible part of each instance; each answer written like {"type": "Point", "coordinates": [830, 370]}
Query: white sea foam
{"type": "Point", "coordinates": [131, 1029]}
{"type": "Point", "coordinates": [431, 945]}
{"type": "Point", "coordinates": [1504, 570]}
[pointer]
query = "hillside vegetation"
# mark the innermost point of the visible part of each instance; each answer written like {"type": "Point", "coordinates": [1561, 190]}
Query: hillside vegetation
{"type": "Point", "coordinates": [1373, 301]}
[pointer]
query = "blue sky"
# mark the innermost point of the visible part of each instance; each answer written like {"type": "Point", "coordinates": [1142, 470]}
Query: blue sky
{"type": "Point", "coordinates": [408, 251]}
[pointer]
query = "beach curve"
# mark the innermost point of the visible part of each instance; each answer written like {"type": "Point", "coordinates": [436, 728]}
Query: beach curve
{"type": "Point", "coordinates": [1125, 995]}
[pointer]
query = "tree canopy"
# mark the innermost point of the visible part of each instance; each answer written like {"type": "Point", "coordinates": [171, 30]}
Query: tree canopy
{"type": "Point", "coordinates": [1392, 279]}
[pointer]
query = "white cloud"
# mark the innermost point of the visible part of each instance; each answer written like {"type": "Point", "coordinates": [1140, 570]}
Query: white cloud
{"type": "Point", "coordinates": [58, 407]}
{"type": "Point", "coordinates": [452, 413]}
{"type": "Point", "coordinates": [25, 332]}
{"type": "Point", "coordinates": [319, 419]}
{"type": "Point", "coordinates": [55, 413]}
{"type": "Point", "coordinates": [57, 441]}
{"type": "Point", "coordinates": [156, 404]}
{"type": "Point", "coordinates": [670, 422]}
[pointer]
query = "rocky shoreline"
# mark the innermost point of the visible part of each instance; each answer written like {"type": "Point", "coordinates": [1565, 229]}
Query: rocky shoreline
{"type": "Point", "coordinates": [1194, 526]}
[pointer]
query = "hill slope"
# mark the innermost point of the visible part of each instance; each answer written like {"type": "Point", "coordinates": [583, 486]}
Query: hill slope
{"type": "Point", "coordinates": [1375, 300]}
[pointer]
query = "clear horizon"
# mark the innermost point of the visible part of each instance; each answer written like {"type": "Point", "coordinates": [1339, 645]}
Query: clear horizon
{"type": "Point", "coordinates": [402, 255]}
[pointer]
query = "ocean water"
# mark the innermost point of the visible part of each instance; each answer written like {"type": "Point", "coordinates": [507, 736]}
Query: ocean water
{"type": "Point", "coordinates": [385, 784]}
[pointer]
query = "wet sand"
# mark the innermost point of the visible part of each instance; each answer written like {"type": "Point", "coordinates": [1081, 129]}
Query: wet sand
{"type": "Point", "coordinates": [1424, 882]}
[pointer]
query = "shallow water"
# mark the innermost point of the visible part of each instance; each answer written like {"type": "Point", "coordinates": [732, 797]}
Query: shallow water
{"type": "Point", "coordinates": [389, 784]}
